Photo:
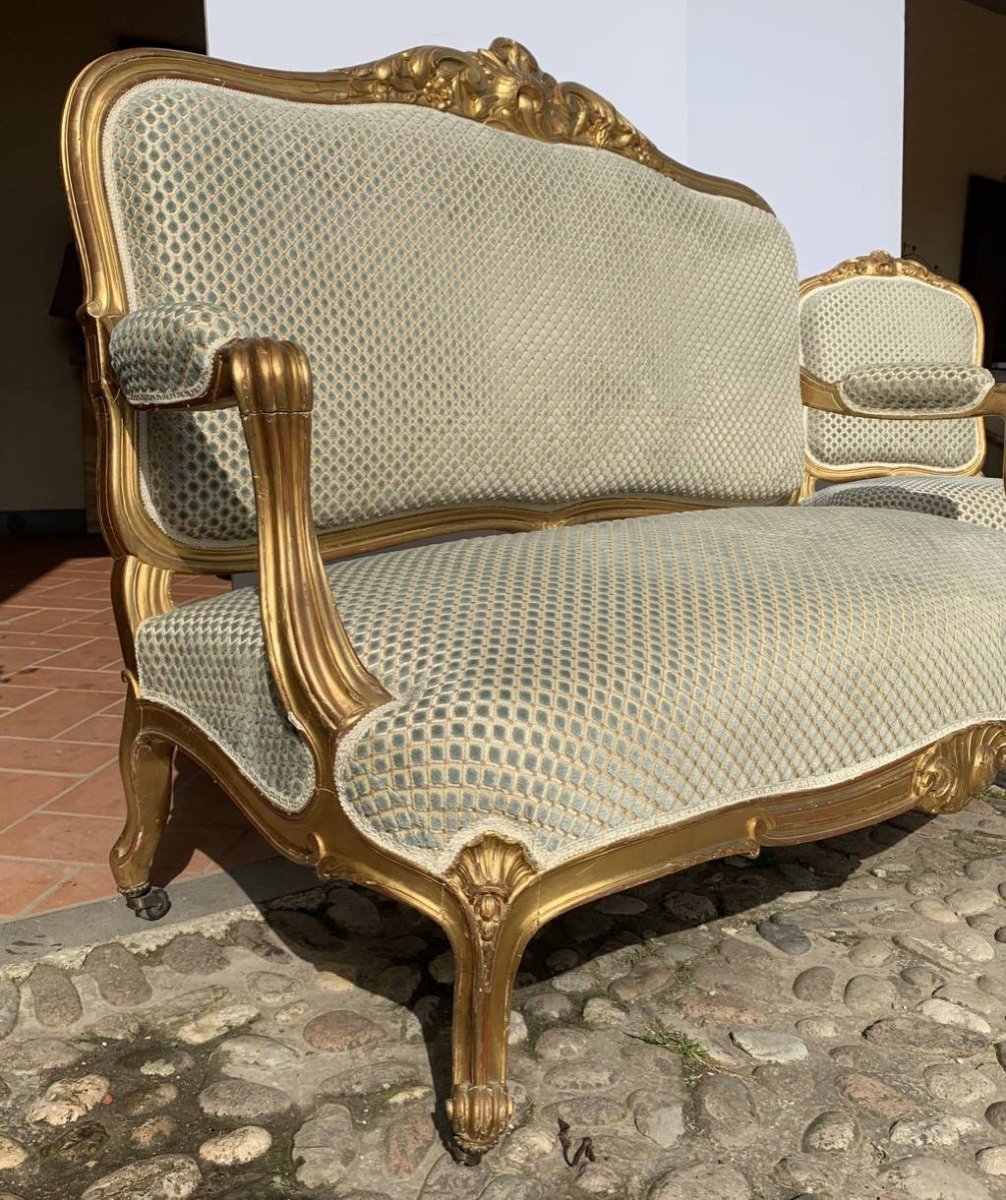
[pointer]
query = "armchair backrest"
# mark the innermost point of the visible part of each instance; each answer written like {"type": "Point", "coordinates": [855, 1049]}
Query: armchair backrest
{"type": "Point", "coordinates": [497, 325]}
{"type": "Point", "coordinates": [881, 310]}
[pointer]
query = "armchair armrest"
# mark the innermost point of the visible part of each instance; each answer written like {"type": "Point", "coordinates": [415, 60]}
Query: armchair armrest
{"type": "Point", "coordinates": [945, 388]}
{"type": "Point", "coordinates": [324, 686]}
{"type": "Point", "coordinates": [169, 355]}
{"type": "Point", "coordinates": [907, 392]}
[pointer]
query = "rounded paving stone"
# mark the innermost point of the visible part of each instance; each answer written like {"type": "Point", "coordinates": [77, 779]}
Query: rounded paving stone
{"type": "Point", "coordinates": [242, 1100]}
{"type": "Point", "coordinates": [193, 954]}
{"type": "Point", "coordinates": [958, 1085]}
{"type": "Point", "coordinates": [55, 999]}
{"type": "Point", "coordinates": [601, 1013]}
{"type": "Point", "coordinates": [407, 1141]}
{"type": "Point", "coordinates": [119, 977]}
{"type": "Point", "coordinates": [871, 952]}
{"type": "Point", "coordinates": [969, 943]}
{"type": "Point", "coordinates": [928, 1037]}
{"type": "Point", "coordinates": [787, 937]}
{"type": "Point", "coordinates": [659, 1118]}
{"type": "Point", "coordinates": [10, 1004]}
{"type": "Point", "coordinates": [769, 1047]}
{"type": "Point", "coordinates": [68, 1100]}
{"type": "Point", "coordinates": [590, 1112]}
{"type": "Point", "coordinates": [869, 995]}
{"type": "Point", "coordinates": [547, 1006]}
{"type": "Point", "coordinates": [152, 1098]}
{"type": "Point", "coordinates": [995, 1114]}
{"type": "Point", "coordinates": [268, 987]}
{"type": "Point", "coordinates": [941, 1129]}
{"type": "Point", "coordinates": [932, 1179]}
{"type": "Point", "coordinates": [341, 1029]}
{"type": "Point", "coordinates": [323, 1147]}
{"type": "Point", "coordinates": [945, 1013]}
{"type": "Point", "coordinates": [252, 1053]}
{"type": "Point", "coordinates": [562, 1042]}
{"type": "Point", "coordinates": [251, 935]}
{"type": "Point", "coordinates": [970, 900]}
{"type": "Point", "coordinates": [12, 1153]}
{"type": "Point", "coordinates": [873, 1095]}
{"type": "Point", "coordinates": [237, 1146]}
{"type": "Point", "coordinates": [215, 1023]}
{"type": "Point", "coordinates": [690, 907]}
{"type": "Point", "coordinates": [992, 1160]}
{"type": "Point", "coordinates": [38, 1054]}
{"type": "Point", "coordinates": [712, 1181]}
{"type": "Point", "coordinates": [931, 909]}
{"type": "Point", "coordinates": [814, 985]}
{"type": "Point", "coordinates": [724, 1108]}
{"type": "Point", "coordinates": [154, 1133]}
{"type": "Point", "coordinates": [166, 1177]}
{"type": "Point", "coordinates": [352, 912]}
{"type": "Point", "coordinates": [831, 1132]}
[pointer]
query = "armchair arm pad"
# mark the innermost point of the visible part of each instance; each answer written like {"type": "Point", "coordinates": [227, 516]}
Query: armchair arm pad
{"type": "Point", "coordinates": [916, 388]}
{"type": "Point", "coordinates": [166, 355]}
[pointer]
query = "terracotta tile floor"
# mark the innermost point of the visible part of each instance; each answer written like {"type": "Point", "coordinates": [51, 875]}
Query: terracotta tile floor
{"type": "Point", "coordinates": [61, 804]}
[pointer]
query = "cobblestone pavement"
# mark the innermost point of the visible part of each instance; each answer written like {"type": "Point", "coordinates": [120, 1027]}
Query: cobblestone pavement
{"type": "Point", "coordinates": [823, 1022]}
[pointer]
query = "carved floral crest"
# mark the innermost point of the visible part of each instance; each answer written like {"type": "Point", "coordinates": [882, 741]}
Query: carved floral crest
{"type": "Point", "coordinates": [879, 263]}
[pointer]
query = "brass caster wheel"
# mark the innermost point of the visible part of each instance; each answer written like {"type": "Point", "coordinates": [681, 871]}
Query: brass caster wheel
{"type": "Point", "coordinates": [149, 903]}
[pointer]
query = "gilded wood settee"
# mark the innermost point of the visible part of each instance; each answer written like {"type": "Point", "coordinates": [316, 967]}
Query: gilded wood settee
{"type": "Point", "coordinates": [329, 315]}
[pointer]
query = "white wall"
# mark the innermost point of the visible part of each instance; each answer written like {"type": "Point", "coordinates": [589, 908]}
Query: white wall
{"type": "Point", "coordinates": [575, 43]}
{"type": "Point", "coordinates": [803, 101]}
{"type": "Point", "coordinates": [800, 99]}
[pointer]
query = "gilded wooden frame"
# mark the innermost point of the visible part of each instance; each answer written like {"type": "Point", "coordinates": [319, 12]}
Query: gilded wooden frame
{"type": "Point", "coordinates": [879, 264]}
{"type": "Point", "coordinates": [493, 897]}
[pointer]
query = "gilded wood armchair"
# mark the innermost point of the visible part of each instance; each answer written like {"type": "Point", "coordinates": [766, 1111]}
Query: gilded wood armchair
{"type": "Point", "coordinates": [333, 314]}
{"type": "Point", "coordinates": [878, 319]}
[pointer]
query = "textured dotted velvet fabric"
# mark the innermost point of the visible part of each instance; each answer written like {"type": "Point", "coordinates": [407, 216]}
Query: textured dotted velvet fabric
{"type": "Point", "coordinates": [576, 686]}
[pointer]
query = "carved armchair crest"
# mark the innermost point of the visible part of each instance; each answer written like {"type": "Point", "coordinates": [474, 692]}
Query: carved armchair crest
{"type": "Point", "coordinates": [394, 733]}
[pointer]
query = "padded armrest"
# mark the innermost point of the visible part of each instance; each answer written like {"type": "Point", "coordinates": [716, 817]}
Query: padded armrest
{"type": "Point", "coordinates": [165, 355]}
{"type": "Point", "coordinates": [915, 387]}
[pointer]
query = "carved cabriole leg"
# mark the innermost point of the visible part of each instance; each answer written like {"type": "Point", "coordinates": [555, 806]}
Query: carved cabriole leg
{"type": "Point", "coordinates": [948, 774]}
{"type": "Point", "coordinates": [488, 941]}
{"type": "Point", "coordinates": [145, 761]}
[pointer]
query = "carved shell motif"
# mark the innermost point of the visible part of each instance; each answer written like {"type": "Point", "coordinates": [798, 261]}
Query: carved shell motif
{"type": "Point", "coordinates": [948, 774]}
{"type": "Point", "coordinates": [487, 874]}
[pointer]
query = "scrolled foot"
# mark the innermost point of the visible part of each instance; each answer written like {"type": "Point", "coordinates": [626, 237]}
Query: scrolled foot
{"type": "Point", "coordinates": [149, 903]}
{"type": "Point", "coordinates": [479, 1114]}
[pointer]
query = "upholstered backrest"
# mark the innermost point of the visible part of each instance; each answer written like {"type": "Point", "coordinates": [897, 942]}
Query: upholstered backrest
{"type": "Point", "coordinates": [489, 317]}
{"type": "Point", "coordinates": [868, 319]}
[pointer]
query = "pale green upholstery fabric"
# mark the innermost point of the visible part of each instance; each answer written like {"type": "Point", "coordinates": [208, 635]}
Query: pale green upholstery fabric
{"type": "Point", "coordinates": [867, 321]}
{"type": "Point", "coordinates": [976, 501]}
{"type": "Point", "coordinates": [915, 387]}
{"type": "Point", "coordinates": [165, 354]}
{"type": "Point", "coordinates": [488, 317]}
{"type": "Point", "coordinates": [580, 685]}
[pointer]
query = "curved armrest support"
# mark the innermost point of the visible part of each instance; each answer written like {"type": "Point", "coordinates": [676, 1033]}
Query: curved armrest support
{"type": "Point", "coordinates": [830, 396]}
{"type": "Point", "coordinates": [169, 356]}
{"type": "Point", "coordinates": [325, 687]}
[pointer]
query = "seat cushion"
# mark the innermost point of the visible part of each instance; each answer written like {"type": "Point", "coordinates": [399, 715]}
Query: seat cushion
{"type": "Point", "coordinates": [576, 686]}
{"type": "Point", "coordinates": [972, 499]}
